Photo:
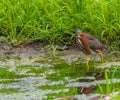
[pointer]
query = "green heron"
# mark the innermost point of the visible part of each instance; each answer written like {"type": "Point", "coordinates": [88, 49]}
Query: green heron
{"type": "Point", "coordinates": [89, 44]}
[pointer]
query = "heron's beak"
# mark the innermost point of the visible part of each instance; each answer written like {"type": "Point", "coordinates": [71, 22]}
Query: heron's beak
{"type": "Point", "coordinates": [79, 36]}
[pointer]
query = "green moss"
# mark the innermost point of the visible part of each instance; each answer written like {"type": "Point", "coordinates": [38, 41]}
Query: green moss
{"type": "Point", "coordinates": [8, 91]}
{"type": "Point", "coordinates": [21, 67]}
{"type": "Point", "coordinates": [3, 58]}
{"type": "Point", "coordinates": [13, 57]}
{"type": "Point", "coordinates": [50, 59]}
{"type": "Point", "coordinates": [4, 74]}
{"type": "Point", "coordinates": [52, 87]}
{"type": "Point", "coordinates": [65, 70]}
{"type": "Point", "coordinates": [37, 71]}
{"type": "Point", "coordinates": [8, 81]}
{"type": "Point", "coordinates": [72, 91]}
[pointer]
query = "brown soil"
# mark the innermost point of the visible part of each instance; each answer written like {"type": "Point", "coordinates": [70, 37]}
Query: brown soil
{"type": "Point", "coordinates": [37, 48]}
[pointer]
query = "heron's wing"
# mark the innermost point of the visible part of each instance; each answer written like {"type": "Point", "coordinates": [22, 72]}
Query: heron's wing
{"type": "Point", "coordinates": [94, 43]}
{"type": "Point", "coordinates": [90, 37]}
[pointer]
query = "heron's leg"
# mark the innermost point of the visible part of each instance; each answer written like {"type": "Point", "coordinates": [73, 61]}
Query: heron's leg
{"type": "Point", "coordinates": [101, 57]}
{"type": "Point", "coordinates": [87, 62]}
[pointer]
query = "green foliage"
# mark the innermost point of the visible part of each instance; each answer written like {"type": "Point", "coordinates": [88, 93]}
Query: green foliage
{"type": "Point", "coordinates": [110, 85]}
{"type": "Point", "coordinates": [53, 20]}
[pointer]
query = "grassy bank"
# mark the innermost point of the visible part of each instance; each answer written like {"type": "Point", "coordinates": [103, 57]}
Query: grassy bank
{"type": "Point", "coordinates": [54, 20]}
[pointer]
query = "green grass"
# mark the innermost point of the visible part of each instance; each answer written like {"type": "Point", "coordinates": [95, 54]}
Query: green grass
{"type": "Point", "coordinates": [110, 86]}
{"type": "Point", "coordinates": [54, 20]}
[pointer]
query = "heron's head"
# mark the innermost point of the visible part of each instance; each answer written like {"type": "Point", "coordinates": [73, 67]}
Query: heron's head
{"type": "Point", "coordinates": [78, 31]}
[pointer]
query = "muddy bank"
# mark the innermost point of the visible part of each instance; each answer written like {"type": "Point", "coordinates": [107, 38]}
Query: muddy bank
{"type": "Point", "coordinates": [36, 49]}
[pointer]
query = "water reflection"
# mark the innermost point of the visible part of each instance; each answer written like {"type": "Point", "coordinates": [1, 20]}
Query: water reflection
{"type": "Point", "coordinates": [43, 79]}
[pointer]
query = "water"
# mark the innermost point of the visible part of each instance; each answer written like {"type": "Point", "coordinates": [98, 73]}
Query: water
{"type": "Point", "coordinates": [48, 77]}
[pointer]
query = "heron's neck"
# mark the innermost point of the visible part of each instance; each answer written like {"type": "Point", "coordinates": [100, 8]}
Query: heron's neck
{"type": "Point", "coordinates": [85, 43]}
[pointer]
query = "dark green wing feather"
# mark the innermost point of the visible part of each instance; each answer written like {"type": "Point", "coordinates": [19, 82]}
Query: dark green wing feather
{"type": "Point", "coordinates": [95, 44]}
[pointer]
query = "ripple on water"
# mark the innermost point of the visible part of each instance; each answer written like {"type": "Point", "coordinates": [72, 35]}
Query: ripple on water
{"type": "Point", "coordinates": [88, 84]}
{"type": "Point", "coordinates": [108, 65]}
{"type": "Point", "coordinates": [41, 65]}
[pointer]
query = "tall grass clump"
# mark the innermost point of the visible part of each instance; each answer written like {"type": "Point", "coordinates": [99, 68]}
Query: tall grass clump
{"type": "Point", "coordinates": [56, 20]}
{"type": "Point", "coordinates": [110, 86]}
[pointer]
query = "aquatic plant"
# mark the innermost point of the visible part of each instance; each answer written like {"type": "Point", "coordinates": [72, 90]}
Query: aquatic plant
{"type": "Point", "coordinates": [110, 86]}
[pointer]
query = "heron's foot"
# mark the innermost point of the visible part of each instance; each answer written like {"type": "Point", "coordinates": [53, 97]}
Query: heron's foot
{"type": "Point", "coordinates": [101, 57]}
{"type": "Point", "coordinates": [87, 63]}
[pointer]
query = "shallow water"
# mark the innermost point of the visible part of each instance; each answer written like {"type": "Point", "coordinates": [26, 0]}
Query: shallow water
{"type": "Point", "coordinates": [31, 77]}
